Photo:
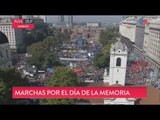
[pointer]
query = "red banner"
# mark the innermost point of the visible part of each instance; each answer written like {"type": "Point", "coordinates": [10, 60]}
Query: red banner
{"type": "Point", "coordinates": [79, 92]}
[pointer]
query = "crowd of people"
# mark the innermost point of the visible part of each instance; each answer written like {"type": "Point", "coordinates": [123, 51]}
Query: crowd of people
{"type": "Point", "coordinates": [140, 73]}
{"type": "Point", "coordinates": [84, 69]}
{"type": "Point", "coordinates": [89, 73]}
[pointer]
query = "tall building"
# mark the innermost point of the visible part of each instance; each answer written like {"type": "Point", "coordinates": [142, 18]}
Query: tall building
{"type": "Point", "coordinates": [5, 55]}
{"type": "Point", "coordinates": [127, 30]}
{"type": "Point", "coordinates": [139, 40]}
{"type": "Point", "coordinates": [44, 17]}
{"type": "Point", "coordinates": [61, 19]}
{"type": "Point", "coordinates": [93, 24]}
{"type": "Point", "coordinates": [70, 20]}
{"type": "Point", "coordinates": [152, 44]}
{"type": "Point", "coordinates": [15, 37]}
{"type": "Point", "coordinates": [30, 16]}
{"type": "Point", "coordinates": [18, 16]}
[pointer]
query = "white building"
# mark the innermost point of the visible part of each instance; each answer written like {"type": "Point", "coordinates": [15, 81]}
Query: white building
{"type": "Point", "coordinates": [118, 63]}
{"type": "Point", "coordinates": [92, 24]}
{"type": "Point", "coordinates": [152, 44]}
{"type": "Point", "coordinates": [15, 37]}
{"type": "Point", "coordinates": [127, 28]}
{"type": "Point", "coordinates": [117, 72]}
{"type": "Point", "coordinates": [5, 55]}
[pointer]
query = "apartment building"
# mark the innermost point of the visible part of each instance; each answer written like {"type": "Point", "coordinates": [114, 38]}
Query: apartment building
{"type": "Point", "coordinates": [152, 44]}
{"type": "Point", "coordinates": [127, 30]}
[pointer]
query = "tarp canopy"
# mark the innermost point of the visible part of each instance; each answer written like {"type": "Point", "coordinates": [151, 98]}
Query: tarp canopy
{"type": "Point", "coordinates": [78, 70]}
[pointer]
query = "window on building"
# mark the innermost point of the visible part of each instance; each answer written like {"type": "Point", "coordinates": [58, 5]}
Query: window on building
{"type": "Point", "coordinates": [116, 82]}
{"type": "Point", "coordinates": [118, 62]}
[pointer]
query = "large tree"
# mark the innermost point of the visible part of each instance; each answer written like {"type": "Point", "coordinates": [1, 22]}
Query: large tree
{"type": "Point", "coordinates": [43, 53]}
{"type": "Point", "coordinates": [101, 60]}
{"type": "Point", "coordinates": [107, 36]}
{"type": "Point", "coordinates": [62, 77]}
{"type": "Point", "coordinates": [38, 51]}
{"type": "Point", "coordinates": [10, 78]}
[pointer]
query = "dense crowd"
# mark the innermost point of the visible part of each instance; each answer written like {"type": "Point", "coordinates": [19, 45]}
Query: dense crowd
{"type": "Point", "coordinates": [89, 73]}
{"type": "Point", "coordinates": [139, 72]}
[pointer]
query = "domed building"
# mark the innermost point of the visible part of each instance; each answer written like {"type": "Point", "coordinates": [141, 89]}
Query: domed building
{"type": "Point", "coordinates": [5, 54]}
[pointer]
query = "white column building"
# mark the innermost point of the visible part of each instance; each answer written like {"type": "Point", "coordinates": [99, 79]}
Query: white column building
{"type": "Point", "coordinates": [117, 72]}
{"type": "Point", "coordinates": [118, 63]}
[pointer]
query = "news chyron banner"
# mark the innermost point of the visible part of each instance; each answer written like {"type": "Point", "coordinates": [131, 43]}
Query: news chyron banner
{"type": "Point", "coordinates": [22, 23]}
{"type": "Point", "coordinates": [79, 92]}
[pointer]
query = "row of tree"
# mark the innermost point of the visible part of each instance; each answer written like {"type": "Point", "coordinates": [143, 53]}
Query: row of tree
{"type": "Point", "coordinates": [62, 77]}
{"type": "Point", "coordinates": [44, 53]}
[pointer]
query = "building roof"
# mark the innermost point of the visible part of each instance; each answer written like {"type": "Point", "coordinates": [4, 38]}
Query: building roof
{"type": "Point", "coordinates": [153, 97]}
{"type": "Point", "coordinates": [3, 38]}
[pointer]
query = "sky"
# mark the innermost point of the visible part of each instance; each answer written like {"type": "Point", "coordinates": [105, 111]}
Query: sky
{"type": "Point", "coordinates": [88, 18]}
{"type": "Point", "coordinates": [84, 18]}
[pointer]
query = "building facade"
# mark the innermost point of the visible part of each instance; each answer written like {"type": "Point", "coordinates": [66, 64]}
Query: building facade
{"type": "Point", "coordinates": [70, 20]}
{"type": "Point", "coordinates": [127, 30]}
{"type": "Point", "coordinates": [152, 45]}
{"type": "Point", "coordinates": [117, 72]}
{"type": "Point", "coordinates": [15, 37]}
{"type": "Point", "coordinates": [92, 24]}
{"type": "Point", "coordinates": [139, 41]}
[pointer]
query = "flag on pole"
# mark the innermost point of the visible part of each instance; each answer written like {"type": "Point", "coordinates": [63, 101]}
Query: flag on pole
{"type": "Point", "coordinates": [145, 22]}
{"type": "Point", "coordinates": [140, 21]}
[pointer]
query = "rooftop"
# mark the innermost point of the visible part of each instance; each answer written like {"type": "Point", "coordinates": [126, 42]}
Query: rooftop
{"type": "Point", "coordinates": [153, 97]}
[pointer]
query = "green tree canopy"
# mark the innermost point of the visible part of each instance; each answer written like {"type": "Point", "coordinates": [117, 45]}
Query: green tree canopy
{"type": "Point", "coordinates": [62, 77]}
{"type": "Point", "coordinates": [101, 60]}
{"type": "Point", "coordinates": [46, 52]}
{"type": "Point", "coordinates": [43, 53]}
{"type": "Point", "coordinates": [107, 37]}
{"type": "Point", "coordinates": [10, 78]}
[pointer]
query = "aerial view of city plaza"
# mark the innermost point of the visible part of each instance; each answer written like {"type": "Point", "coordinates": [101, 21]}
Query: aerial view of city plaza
{"type": "Point", "coordinates": [68, 52]}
